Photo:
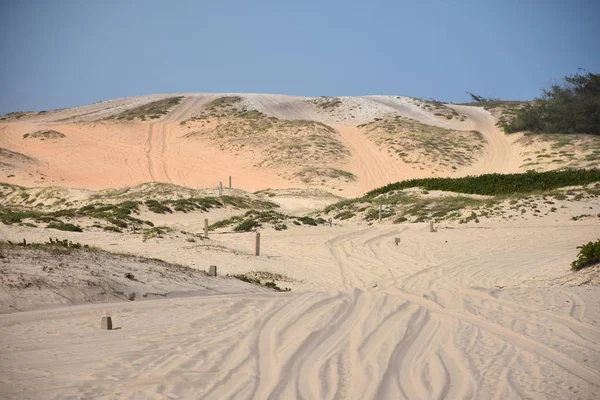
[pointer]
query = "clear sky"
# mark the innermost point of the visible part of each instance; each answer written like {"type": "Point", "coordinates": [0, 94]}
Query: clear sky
{"type": "Point", "coordinates": [64, 53]}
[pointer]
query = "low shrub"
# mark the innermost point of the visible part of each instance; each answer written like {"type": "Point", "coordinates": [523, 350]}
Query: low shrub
{"type": "Point", "coordinates": [589, 254]}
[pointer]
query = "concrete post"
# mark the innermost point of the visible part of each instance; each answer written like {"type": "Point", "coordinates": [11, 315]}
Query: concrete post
{"type": "Point", "coordinates": [257, 250]}
{"type": "Point", "coordinates": [206, 227]}
{"type": "Point", "coordinates": [106, 323]}
{"type": "Point", "coordinates": [212, 271]}
{"type": "Point", "coordinates": [229, 181]}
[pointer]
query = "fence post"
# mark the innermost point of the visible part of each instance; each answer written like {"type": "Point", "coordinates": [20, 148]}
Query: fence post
{"type": "Point", "coordinates": [380, 213]}
{"type": "Point", "coordinates": [229, 181]}
{"type": "Point", "coordinates": [206, 227]}
{"type": "Point", "coordinates": [257, 249]}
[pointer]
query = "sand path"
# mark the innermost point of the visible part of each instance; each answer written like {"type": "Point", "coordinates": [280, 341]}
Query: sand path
{"type": "Point", "coordinates": [443, 315]}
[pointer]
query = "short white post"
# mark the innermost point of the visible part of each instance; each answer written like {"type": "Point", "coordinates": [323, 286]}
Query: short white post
{"type": "Point", "coordinates": [257, 249]}
{"type": "Point", "coordinates": [206, 227]}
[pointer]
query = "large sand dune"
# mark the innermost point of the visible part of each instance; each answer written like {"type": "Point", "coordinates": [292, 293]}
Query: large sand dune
{"type": "Point", "coordinates": [98, 152]}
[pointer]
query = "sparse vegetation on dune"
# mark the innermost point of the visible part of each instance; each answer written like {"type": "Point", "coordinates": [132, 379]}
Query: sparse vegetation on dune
{"type": "Point", "coordinates": [255, 219]}
{"type": "Point", "coordinates": [280, 142]}
{"type": "Point", "coordinates": [420, 144]}
{"type": "Point", "coordinates": [327, 103]}
{"type": "Point", "coordinates": [314, 174]}
{"type": "Point", "coordinates": [551, 151]}
{"type": "Point", "coordinates": [153, 110]}
{"type": "Point", "coordinates": [43, 135]}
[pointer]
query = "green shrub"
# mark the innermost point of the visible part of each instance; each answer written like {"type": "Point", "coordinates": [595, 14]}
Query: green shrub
{"type": "Point", "coordinates": [62, 226]}
{"type": "Point", "coordinates": [157, 207]}
{"type": "Point", "coordinates": [573, 107]}
{"type": "Point", "coordinates": [498, 184]}
{"type": "Point", "coordinates": [247, 225]}
{"type": "Point", "coordinates": [589, 254]}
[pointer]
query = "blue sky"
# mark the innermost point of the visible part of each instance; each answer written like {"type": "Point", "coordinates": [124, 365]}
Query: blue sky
{"type": "Point", "coordinates": [56, 54]}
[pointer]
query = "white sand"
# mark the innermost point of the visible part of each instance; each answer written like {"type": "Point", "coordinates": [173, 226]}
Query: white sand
{"type": "Point", "coordinates": [452, 314]}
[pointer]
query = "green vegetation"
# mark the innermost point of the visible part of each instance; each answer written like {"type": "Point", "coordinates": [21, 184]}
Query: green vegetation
{"type": "Point", "coordinates": [499, 184]}
{"type": "Point", "coordinates": [153, 110]}
{"type": "Point", "coordinates": [573, 107]}
{"type": "Point", "coordinates": [61, 226]}
{"type": "Point", "coordinates": [589, 254]}
{"type": "Point", "coordinates": [255, 219]}
{"type": "Point", "coordinates": [515, 191]}
{"type": "Point", "coordinates": [43, 135]}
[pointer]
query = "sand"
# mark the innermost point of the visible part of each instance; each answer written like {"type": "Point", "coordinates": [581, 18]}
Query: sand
{"type": "Point", "coordinates": [453, 314]}
{"type": "Point", "coordinates": [486, 311]}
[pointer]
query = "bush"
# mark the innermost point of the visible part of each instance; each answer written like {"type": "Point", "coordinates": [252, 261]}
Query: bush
{"type": "Point", "coordinates": [498, 184]}
{"type": "Point", "coordinates": [247, 225]}
{"type": "Point", "coordinates": [62, 226]}
{"type": "Point", "coordinates": [589, 254]}
{"type": "Point", "coordinates": [573, 107]}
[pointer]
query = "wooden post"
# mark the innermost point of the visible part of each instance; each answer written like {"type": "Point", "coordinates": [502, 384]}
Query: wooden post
{"type": "Point", "coordinates": [380, 213]}
{"type": "Point", "coordinates": [257, 250]}
{"type": "Point", "coordinates": [206, 227]}
{"type": "Point", "coordinates": [229, 181]}
{"type": "Point", "coordinates": [106, 323]}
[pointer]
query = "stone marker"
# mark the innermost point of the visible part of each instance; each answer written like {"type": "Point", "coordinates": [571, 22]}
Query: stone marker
{"type": "Point", "coordinates": [397, 240]}
{"type": "Point", "coordinates": [106, 323]}
{"type": "Point", "coordinates": [212, 271]}
{"type": "Point", "coordinates": [131, 296]}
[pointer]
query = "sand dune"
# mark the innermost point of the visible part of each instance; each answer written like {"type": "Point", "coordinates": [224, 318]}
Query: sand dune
{"type": "Point", "coordinates": [96, 153]}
